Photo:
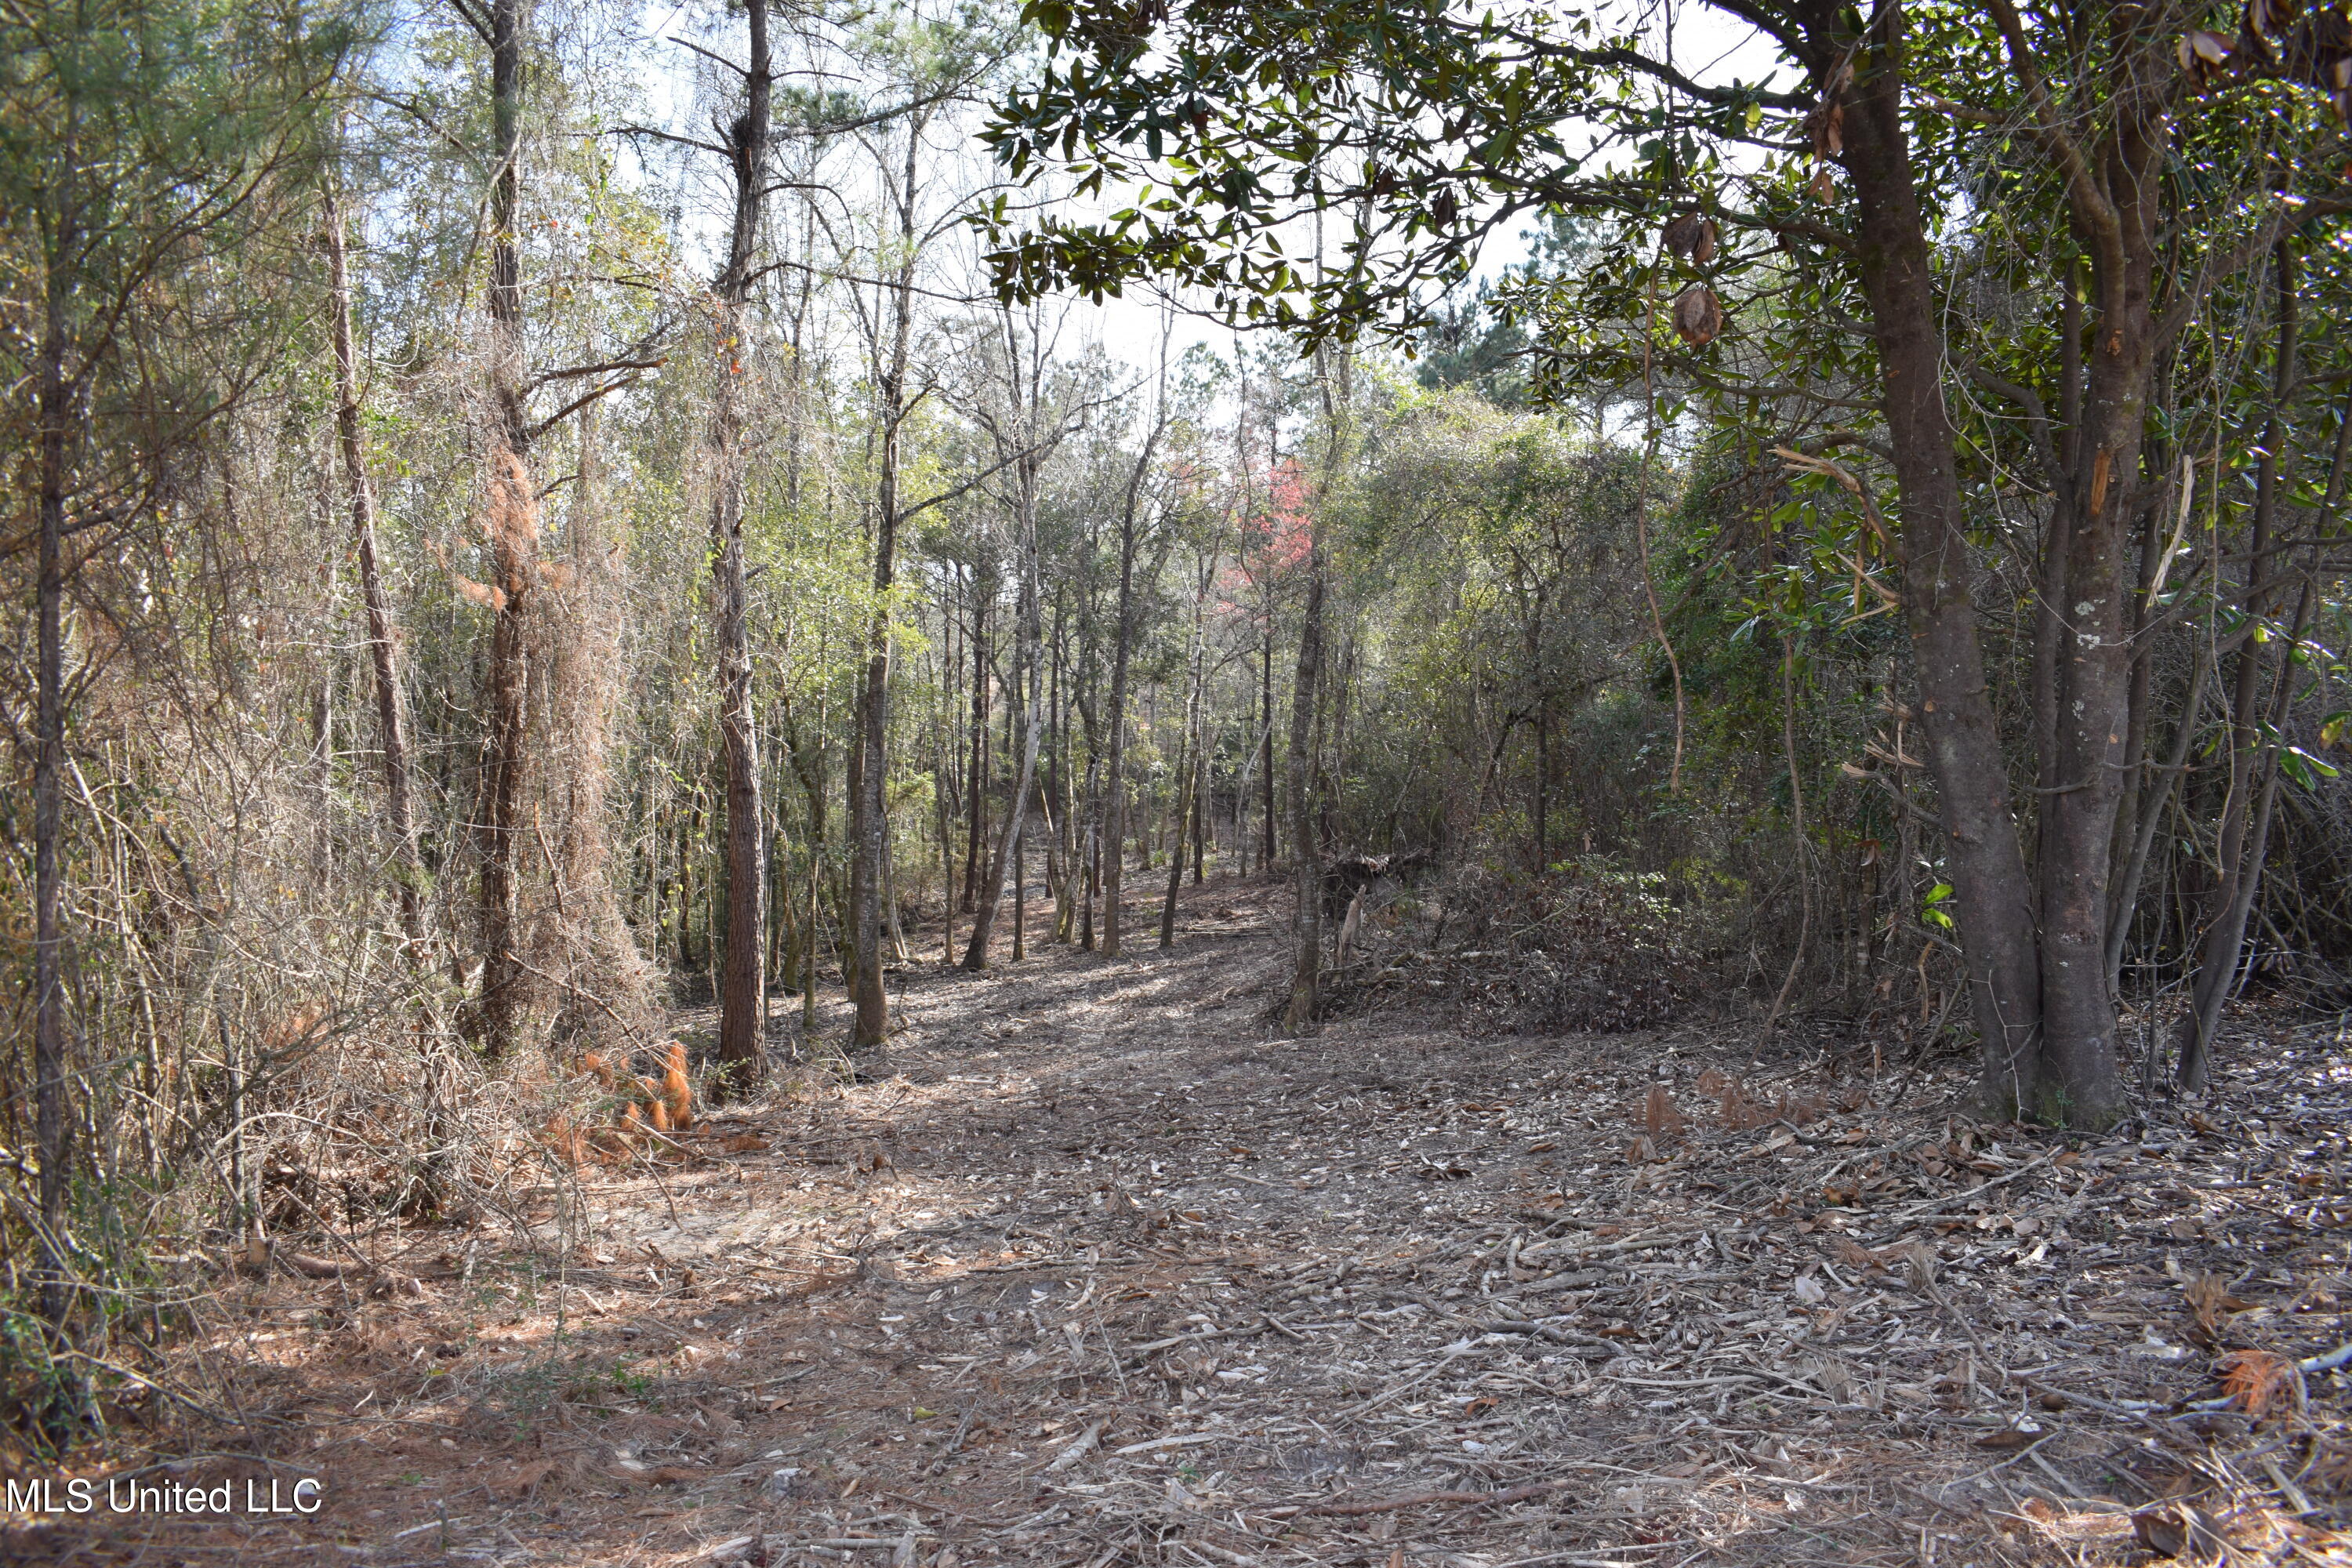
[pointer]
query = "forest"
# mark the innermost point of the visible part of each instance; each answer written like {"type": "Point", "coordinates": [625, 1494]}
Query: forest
{"type": "Point", "coordinates": [1343, 782]}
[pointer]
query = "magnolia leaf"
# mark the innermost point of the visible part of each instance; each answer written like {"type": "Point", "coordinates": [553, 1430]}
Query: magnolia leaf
{"type": "Point", "coordinates": [2203, 56]}
{"type": "Point", "coordinates": [1692, 237]}
{"type": "Point", "coordinates": [1697, 315]}
{"type": "Point", "coordinates": [2267, 18]}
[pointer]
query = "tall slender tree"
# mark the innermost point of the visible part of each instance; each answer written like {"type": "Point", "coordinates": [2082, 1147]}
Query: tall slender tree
{"type": "Point", "coordinates": [511, 525]}
{"type": "Point", "coordinates": [890, 320]}
{"type": "Point", "coordinates": [743, 1006]}
{"type": "Point", "coordinates": [391, 709]}
{"type": "Point", "coordinates": [1022, 445]}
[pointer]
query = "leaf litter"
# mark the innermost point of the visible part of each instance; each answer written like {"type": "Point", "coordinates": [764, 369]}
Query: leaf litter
{"type": "Point", "coordinates": [1101, 1274]}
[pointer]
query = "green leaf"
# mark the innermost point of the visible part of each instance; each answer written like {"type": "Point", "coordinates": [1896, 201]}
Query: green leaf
{"type": "Point", "coordinates": [2305, 768]}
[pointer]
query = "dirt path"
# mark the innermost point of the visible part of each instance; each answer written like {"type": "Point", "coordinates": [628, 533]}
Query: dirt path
{"type": "Point", "coordinates": [1102, 1274]}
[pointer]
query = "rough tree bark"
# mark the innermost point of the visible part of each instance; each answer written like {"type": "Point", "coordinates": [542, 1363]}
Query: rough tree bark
{"type": "Point", "coordinates": [1114, 851]}
{"type": "Point", "coordinates": [984, 596]}
{"type": "Point", "coordinates": [2115, 201]}
{"type": "Point", "coordinates": [512, 520]}
{"type": "Point", "coordinates": [1271, 842]}
{"type": "Point", "coordinates": [869, 759]}
{"type": "Point", "coordinates": [1305, 979]}
{"type": "Point", "coordinates": [744, 999]}
{"type": "Point", "coordinates": [1987, 863]}
{"type": "Point", "coordinates": [2035, 943]}
{"type": "Point", "coordinates": [57, 401]}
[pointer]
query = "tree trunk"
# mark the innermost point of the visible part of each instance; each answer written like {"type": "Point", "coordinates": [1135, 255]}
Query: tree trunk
{"type": "Point", "coordinates": [743, 1000]}
{"type": "Point", "coordinates": [1113, 855]}
{"type": "Point", "coordinates": [2224, 932]}
{"type": "Point", "coordinates": [51, 1111]}
{"type": "Point", "coordinates": [2223, 949]}
{"type": "Point", "coordinates": [2255, 747]}
{"type": "Point", "coordinates": [1186, 792]}
{"type": "Point", "coordinates": [1180, 802]}
{"type": "Point", "coordinates": [1203, 822]}
{"type": "Point", "coordinates": [2050, 617]}
{"type": "Point", "coordinates": [2135, 802]}
{"type": "Point", "coordinates": [1033, 704]}
{"type": "Point", "coordinates": [869, 762]}
{"type": "Point", "coordinates": [1306, 980]}
{"type": "Point", "coordinates": [1061, 845]}
{"type": "Point", "coordinates": [943, 816]}
{"type": "Point", "coordinates": [513, 530]}
{"type": "Point", "coordinates": [2151, 817]}
{"type": "Point", "coordinates": [1020, 897]}
{"type": "Point", "coordinates": [891, 910]}
{"type": "Point", "coordinates": [2081, 1084]}
{"type": "Point", "coordinates": [1112, 843]}
{"type": "Point", "coordinates": [1995, 906]}
{"type": "Point", "coordinates": [983, 590]}
{"type": "Point", "coordinates": [992, 888]}
{"type": "Point", "coordinates": [1088, 871]}
{"type": "Point", "coordinates": [408, 870]}
{"type": "Point", "coordinates": [1801, 842]}
{"type": "Point", "coordinates": [1269, 842]}
{"type": "Point", "coordinates": [513, 527]}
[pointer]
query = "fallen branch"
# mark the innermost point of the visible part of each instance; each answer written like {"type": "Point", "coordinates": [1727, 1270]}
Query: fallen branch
{"type": "Point", "coordinates": [1418, 1500]}
{"type": "Point", "coordinates": [1411, 1382]}
{"type": "Point", "coordinates": [2340, 1356]}
{"type": "Point", "coordinates": [1915, 1210]}
{"type": "Point", "coordinates": [1263, 1323]}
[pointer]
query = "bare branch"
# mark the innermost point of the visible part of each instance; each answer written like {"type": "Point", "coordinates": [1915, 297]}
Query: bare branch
{"type": "Point", "coordinates": [473, 19]}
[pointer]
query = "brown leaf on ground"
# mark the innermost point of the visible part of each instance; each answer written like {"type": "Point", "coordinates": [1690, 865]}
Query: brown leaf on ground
{"type": "Point", "coordinates": [1659, 1116]}
{"type": "Point", "coordinates": [1854, 1255]}
{"type": "Point", "coordinates": [522, 1481]}
{"type": "Point", "coordinates": [1740, 1109]}
{"type": "Point", "coordinates": [2206, 1293]}
{"type": "Point", "coordinates": [2010, 1438]}
{"type": "Point", "coordinates": [2179, 1529]}
{"type": "Point", "coordinates": [2208, 1297]}
{"type": "Point", "coordinates": [2254, 1379]}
